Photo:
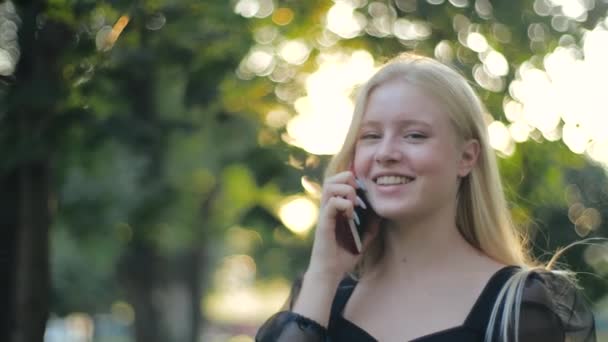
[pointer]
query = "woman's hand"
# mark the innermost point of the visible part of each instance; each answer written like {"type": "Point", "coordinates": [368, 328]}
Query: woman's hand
{"type": "Point", "coordinates": [328, 259]}
{"type": "Point", "coordinates": [329, 262]}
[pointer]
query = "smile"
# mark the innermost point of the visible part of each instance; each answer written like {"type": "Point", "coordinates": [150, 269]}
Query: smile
{"type": "Point", "coordinates": [393, 180]}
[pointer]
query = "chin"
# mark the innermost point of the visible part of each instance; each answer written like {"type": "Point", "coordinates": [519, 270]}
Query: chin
{"type": "Point", "coordinates": [395, 214]}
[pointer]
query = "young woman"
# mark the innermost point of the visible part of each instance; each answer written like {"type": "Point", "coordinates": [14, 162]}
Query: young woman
{"type": "Point", "coordinates": [441, 261]}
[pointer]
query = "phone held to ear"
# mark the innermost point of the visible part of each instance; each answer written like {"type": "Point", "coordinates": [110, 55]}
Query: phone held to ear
{"type": "Point", "coordinates": [350, 232]}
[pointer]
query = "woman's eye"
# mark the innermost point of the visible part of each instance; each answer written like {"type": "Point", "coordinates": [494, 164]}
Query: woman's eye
{"type": "Point", "coordinates": [415, 136]}
{"type": "Point", "coordinates": [367, 136]}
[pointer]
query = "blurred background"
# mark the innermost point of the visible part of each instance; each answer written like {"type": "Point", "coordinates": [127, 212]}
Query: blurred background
{"type": "Point", "coordinates": [161, 159]}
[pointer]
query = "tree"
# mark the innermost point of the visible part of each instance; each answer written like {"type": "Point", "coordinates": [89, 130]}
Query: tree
{"type": "Point", "coordinates": [138, 137]}
{"type": "Point", "coordinates": [492, 43]}
{"type": "Point", "coordinates": [127, 150]}
{"type": "Point", "coordinates": [26, 171]}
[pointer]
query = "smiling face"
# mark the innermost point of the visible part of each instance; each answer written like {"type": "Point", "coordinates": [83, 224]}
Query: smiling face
{"type": "Point", "coordinates": [409, 154]}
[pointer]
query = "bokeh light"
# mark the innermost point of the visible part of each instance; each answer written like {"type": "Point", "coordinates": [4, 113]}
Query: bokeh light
{"type": "Point", "coordinates": [496, 63]}
{"type": "Point", "coordinates": [277, 118]}
{"type": "Point", "coordinates": [406, 5]}
{"type": "Point", "coordinates": [344, 20]}
{"type": "Point", "coordinates": [324, 114]}
{"type": "Point", "coordinates": [294, 51]}
{"type": "Point", "coordinates": [260, 61]}
{"type": "Point", "coordinates": [80, 326]}
{"type": "Point", "coordinates": [444, 51]}
{"type": "Point", "coordinates": [238, 298]}
{"type": "Point", "coordinates": [282, 16]}
{"type": "Point", "coordinates": [411, 30]}
{"type": "Point", "coordinates": [156, 21]}
{"type": "Point", "coordinates": [567, 99]}
{"type": "Point", "coordinates": [123, 312]}
{"type": "Point", "coordinates": [9, 46]}
{"type": "Point", "coordinates": [558, 100]}
{"type": "Point", "coordinates": [596, 255]}
{"type": "Point", "coordinates": [265, 34]}
{"type": "Point", "coordinates": [7, 64]}
{"type": "Point", "coordinates": [460, 3]}
{"type": "Point", "coordinates": [487, 79]}
{"type": "Point", "coordinates": [298, 213]}
{"type": "Point", "coordinates": [477, 42]}
{"type": "Point", "coordinates": [254, 8]}
{"type": "Point", "coordinates": [483, 8]}
{"type": "Point", "coordinates": [383, 17]}
{"type": "Point", "coordinates": [500, 138]}
{"type": "Point", "coordinates": [247, 8]}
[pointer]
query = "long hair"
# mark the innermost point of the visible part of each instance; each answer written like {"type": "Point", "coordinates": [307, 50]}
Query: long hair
{"type": "Point", "coordinates": [483, 217]}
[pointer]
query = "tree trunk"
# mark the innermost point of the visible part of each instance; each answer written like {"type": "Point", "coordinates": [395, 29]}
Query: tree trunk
{"type": "Point", "coordinates": [193, 283]}
{"type": "Point", "coordinates": [32, 271]}
{"type": "Point", "coordinates": [9, 218]}
{"type": "Point", "coordinates": [138, 271]}
{"type": "Point", "coordinates": [26, 120]}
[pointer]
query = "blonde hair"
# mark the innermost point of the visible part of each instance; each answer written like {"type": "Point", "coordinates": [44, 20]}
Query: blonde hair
{"type": "Point", "coordinates": [483, 217]}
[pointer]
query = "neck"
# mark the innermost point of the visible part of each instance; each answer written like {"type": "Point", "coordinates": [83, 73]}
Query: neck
{"type": "Point", "coordinates": [414, 247]}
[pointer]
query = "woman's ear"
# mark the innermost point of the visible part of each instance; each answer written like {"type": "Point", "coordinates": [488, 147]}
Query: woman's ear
{"type": "Point", "coordinates": [469, 156]}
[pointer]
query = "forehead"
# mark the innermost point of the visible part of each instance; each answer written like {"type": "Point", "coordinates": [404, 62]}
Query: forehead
{"type": "Point", "coordinates": [398, 100]}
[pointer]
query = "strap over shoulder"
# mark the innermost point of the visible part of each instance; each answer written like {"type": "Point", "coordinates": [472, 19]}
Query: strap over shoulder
{"type": "Point", "coordinates": [343, 293]}
{"type": "Point", "coordinates": [553, 304]}
{"type": "Point", "coordinates": [539, 305]}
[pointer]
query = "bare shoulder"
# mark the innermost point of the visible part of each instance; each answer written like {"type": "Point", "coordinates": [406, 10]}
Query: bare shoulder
{"type": "Point", "coordinates": [477, 272]}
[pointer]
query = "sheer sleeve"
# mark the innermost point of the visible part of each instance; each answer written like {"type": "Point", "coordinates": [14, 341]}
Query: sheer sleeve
{"type": "Point", "coordinates": [288, 326]}
{"type": "Point", "coordinates": [553, 309]}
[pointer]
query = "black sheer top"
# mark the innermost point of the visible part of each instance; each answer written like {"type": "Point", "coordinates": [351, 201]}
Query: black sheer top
{"type": "Point", "coordinates": [552, 309]}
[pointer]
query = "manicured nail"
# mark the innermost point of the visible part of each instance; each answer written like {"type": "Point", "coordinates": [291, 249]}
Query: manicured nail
{"type": "Point", "coordinates": [356, 218]}
{"type": "Point", "coordinates": [361, 203]}
{"type": "Point", "coordinates": [360, 184]}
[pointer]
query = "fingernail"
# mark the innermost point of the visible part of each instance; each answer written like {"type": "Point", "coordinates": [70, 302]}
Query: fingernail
{"type": "Point", "coordinates": [356, 218]}
{"type": "Point", "coordinates": [361, 203]}
{"type": "Point", "coordinates": [360, 184]}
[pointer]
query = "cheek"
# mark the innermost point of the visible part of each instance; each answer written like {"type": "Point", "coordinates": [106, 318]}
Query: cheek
{"type": "Point", "coordinates": [433, 161]}
{"type": "Point", "coordinates": [362, 161]}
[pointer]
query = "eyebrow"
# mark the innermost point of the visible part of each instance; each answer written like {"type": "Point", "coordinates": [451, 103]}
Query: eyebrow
{"type": "Point", "coordinates": [406, 122]}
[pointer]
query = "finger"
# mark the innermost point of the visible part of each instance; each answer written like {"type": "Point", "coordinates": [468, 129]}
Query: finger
{"type": "Point", "coordinates": [337, 205]}
{"type": "Point", "coordinates": [361, 203]}
{"type": "Point", "coordinates": [345, 177]}
{"type": "Point", "coordinates": [360, 184]}
{"type": "Point", "coordinates": [339, 190]}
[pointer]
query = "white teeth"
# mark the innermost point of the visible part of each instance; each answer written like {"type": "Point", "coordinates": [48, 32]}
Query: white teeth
{"type": "Point", "coordinates": [392, 180]}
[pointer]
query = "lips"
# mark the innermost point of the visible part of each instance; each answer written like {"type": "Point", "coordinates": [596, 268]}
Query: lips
{"type": "Point", "coordinates": [393, 180]}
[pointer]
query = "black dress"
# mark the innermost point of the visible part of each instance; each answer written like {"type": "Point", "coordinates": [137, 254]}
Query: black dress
{"type": "Point", "coordinates": [551, 310]}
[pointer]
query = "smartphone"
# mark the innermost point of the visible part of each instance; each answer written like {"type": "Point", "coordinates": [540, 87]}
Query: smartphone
{"type": "Point", "coordinates": [350, 233]}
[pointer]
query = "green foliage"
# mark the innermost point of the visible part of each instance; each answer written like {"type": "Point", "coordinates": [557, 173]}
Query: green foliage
{"type": "Point", "coordinates": [161, 152]}
{"type": "Point", "coordinates": [537, 175]}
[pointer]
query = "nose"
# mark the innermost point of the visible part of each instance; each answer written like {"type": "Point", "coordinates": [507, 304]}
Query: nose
{"type": "Point", "coordinates": [388, 152]}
